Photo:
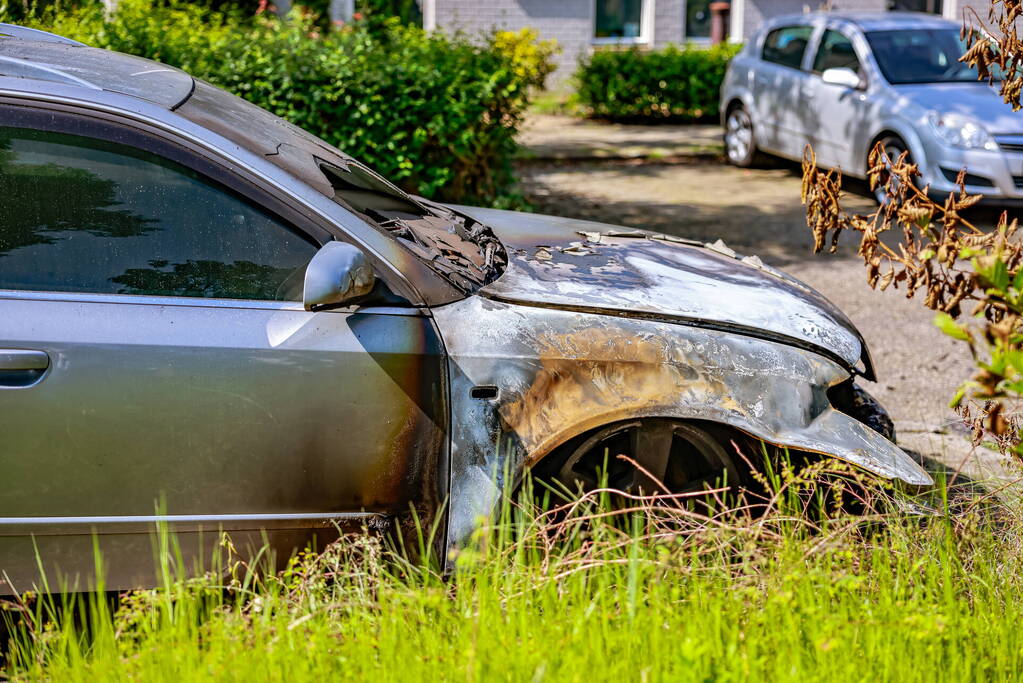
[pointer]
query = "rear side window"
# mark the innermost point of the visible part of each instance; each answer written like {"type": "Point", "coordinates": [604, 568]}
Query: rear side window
{"type": "Point", "coordinates": [786, 45]}
{"type": "Point", "coordinates": [86, 215]}
{"type": "Point", "coordinates": [836, 52]}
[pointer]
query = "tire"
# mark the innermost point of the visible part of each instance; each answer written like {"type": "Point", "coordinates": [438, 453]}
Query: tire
{"type": "Point", "coordinates": [853, 400]}
{"type": "Point", "coordinates": [682, 457]}
{"type": "Point", "coordinates": [739, 139]}
{"type": "Point", "coordinates": [893, 146]}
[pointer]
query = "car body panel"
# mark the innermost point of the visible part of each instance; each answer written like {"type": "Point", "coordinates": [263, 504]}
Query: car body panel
{"type": "Point", "coordinates": [840, 121]}
{"type": "Point", "coordinates": [214, 408]}
{"type": "Point", "coordinates": [91, 67]}
{"type": "Point", "coordinates": [567, 263]}
{"type": "Point", "coordinates": [559, 373]}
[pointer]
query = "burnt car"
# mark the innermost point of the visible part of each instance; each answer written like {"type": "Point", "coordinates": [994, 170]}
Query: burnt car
{"type": "Point", "coordinates": [213, 321]}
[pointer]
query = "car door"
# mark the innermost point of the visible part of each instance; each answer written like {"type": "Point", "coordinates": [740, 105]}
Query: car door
{"type": "Point", "coordinates": [778, 82]}
{"type": "Point", "coordinates": [157, 365]}
{"type": "Point", "coordinates": [840, 114]}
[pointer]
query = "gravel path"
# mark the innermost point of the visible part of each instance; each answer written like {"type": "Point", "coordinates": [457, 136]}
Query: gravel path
{"type": "Point", "coordinates": [758, 211]}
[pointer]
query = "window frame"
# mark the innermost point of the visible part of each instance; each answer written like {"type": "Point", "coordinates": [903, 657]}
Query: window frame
{"type": "Point", "coordinates": [819, 45]}
{"type": "Point", "coordinates": [696, 40]}
{"type": "Point", "coordinates": [813, 39]}
{"type": "Point", "coordinates": [646, 27]}
{"type": "Point", "coordinates": [89, 127]}
{"type": "Point", "coordinates": [65, 117]}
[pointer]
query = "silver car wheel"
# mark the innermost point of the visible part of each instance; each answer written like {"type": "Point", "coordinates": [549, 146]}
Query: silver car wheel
{"type": "Point", "coordinates": [893, 149]}
{"type": "Point", "coordinates": [739, 136]}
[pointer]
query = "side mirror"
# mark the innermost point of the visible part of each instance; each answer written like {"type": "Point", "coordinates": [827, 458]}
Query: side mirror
{"type": "Point", "coordinates": [847, 78]}
{"type": "Point", "coordinates": [339, 273]}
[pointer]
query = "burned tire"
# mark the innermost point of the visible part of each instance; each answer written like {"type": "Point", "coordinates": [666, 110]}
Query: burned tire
{"type": "Point", "coordinates": [853, 400]}
{"type": "Point", "coordinates": [663, 456]}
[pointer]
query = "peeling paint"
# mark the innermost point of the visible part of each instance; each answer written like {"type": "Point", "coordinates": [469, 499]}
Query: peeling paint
{"type": "Point", "coordinates": [636, 272]}
{"type": "Point", "coordinates": [562, 373]}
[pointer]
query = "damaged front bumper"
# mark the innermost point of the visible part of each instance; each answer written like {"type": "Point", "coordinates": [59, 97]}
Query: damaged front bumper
{"type": "Point", "coordinates": [560, 373]}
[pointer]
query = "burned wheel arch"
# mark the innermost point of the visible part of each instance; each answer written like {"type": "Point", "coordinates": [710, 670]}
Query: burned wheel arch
{"type": "Point", "coordinates": [560, 374]}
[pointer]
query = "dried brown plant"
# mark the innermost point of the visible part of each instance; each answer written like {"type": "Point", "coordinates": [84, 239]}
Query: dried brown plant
{"type": "Point", "coordinates": [937, 252]}
{"type": "Point", "coordinates": [994, 47]}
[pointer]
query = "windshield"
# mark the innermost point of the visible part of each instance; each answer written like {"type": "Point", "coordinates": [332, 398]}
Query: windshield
{"type": "Point", "coordinates": [465, 252]}
{"type": "Point", "coordinates": [921, 56]}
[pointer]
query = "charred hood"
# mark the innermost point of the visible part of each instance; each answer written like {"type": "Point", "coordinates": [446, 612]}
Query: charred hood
{"type": "Point", "coordinates": [595, 267]}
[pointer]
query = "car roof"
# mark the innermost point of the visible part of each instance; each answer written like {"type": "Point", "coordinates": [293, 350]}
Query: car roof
{"type": "Point", "coordinates": [872, 21]}
{"type": "Point", "coordinates": [24, 55]}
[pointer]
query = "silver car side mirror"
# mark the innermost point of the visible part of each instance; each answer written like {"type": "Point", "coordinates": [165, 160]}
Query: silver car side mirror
{"type": "Point", "coordinates": [337, 274]}
{"type": "Point", "coordinates": [842, 76]}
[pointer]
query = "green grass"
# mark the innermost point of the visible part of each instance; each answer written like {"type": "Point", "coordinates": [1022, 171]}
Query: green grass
{"type": "Point", "coordinates": [652, 594]}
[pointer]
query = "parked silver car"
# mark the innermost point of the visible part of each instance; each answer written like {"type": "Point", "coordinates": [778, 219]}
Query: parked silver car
{"type": "Point", "coordinates": [845, 81]}
{"type": "Point", "coordinates": [213, 320]}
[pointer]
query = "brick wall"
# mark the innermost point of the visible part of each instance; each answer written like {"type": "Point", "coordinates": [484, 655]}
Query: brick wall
{"type": "Point", "coordinates": [669, 21]}
{"type": "Point", "coordinates": [758, 11]}
{"type": "Point", "coordinates": [570, 22]}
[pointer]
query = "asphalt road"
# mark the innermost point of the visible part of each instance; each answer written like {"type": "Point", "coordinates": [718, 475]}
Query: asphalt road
{"type": "Point", "coordinates": [758, 212]}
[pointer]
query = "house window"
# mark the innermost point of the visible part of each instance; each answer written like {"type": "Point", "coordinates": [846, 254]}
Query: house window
{"type": "Point", "coordinates": [697, 19]}
{"type": "Point", "coordinates": [620, 21]}
{"type": "Point", "coordinates": [932, 6]}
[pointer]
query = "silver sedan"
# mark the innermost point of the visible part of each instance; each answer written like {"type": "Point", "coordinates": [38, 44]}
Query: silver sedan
{"type": "Point", "coordinates": [846, 81]}
{"type": "Point", "coordinates": [213, 321]}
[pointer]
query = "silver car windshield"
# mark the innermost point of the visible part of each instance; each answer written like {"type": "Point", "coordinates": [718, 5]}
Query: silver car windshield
{"type": "Point", "coordinates": [921, 56]}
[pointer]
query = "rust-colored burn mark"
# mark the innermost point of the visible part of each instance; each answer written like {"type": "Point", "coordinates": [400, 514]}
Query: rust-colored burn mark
{"type": "Point", "coordinates": [563, 373]}
{"type": "Point", "coordinates": [595, 375]}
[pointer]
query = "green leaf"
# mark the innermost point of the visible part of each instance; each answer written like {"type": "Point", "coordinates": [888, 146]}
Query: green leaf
{"type": "Point", "coordinates": [948, 325]}
{"type": "Point", "coordinates": [997, 274]}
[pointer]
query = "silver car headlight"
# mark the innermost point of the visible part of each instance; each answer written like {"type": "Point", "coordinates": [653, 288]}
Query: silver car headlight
{"type": "Point", "coordinates": [960, 131]}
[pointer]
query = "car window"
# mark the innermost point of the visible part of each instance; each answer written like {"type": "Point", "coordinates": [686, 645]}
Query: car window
{"type": "Point", "coordinates": [85, 215]}
{"type": "Point", "coordinates": [836, 52]}
{"type": "Point", "coordinates": [923, 56]}
{"type": "Point", "coordinates": [786, 45]}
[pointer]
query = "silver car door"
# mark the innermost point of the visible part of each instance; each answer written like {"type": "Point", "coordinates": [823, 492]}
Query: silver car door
{"type": "Point", "coordinates": [778, 80]}
{"type": "Point", "coordinates": [840, 115]}
{"type": "Point", "coordinates": [156, 363]}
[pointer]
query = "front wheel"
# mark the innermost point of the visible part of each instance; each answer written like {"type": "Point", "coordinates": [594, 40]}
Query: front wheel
{"type": "Point", "coordinates": [664, 456]}
{"type": "Point", "coordinates": [893, 147]}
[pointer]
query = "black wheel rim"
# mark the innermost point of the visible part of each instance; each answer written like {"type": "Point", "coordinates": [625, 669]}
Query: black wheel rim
{"type": "Point", "coordinates": [670, 457]}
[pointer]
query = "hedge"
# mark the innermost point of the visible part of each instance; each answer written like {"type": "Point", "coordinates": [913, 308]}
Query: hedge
{"type": "Point", "coordinates": [671, 84]}
{"type": "Point", "coordinates": [433, 113]}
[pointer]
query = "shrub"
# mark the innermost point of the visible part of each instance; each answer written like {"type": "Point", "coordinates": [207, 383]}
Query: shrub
{"type": "Point", "coordinates": [673, 84]}
{"type": "Point", "coordinates": [532, 57]}
{"type": "Point", "coordinates": [406, 11]}
{"type": "Point", "coordinates": [435, 114]}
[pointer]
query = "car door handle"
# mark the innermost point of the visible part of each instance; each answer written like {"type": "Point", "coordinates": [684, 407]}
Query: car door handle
{"type": "Point", "coordinates": [19, 359]}
{"type": "Point", "coordinates": [21, 368]}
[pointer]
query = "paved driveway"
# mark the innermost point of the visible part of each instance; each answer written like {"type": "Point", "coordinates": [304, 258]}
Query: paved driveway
{"type": "Point", "coordinates": [758, 211]}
